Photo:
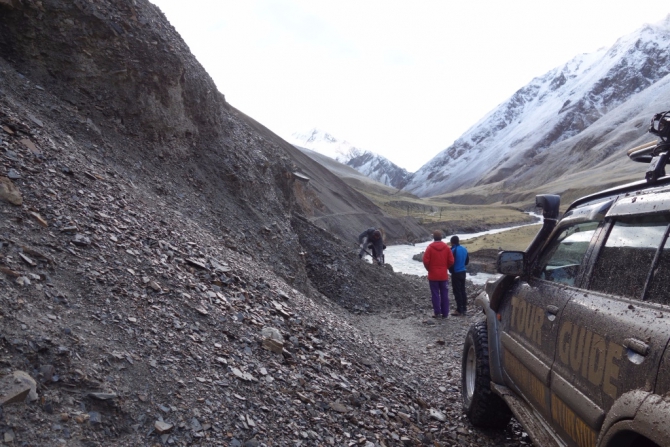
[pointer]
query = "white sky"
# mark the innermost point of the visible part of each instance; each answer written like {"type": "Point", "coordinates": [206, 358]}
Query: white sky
{"type": "Point", "coordinates": [400, 78]}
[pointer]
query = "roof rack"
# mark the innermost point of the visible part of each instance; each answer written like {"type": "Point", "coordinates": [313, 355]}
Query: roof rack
{"type": "Point", "coordinates": [655, 153]}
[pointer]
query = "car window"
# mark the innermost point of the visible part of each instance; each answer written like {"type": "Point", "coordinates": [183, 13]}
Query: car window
{"type": "Point", "coordinates": [563, 258]}
{"type": "Point", "coordinates": [624, 261]}
{"type": "Point", "coordinates": [658, 287]}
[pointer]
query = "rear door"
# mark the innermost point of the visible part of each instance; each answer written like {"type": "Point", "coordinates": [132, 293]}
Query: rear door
{"type": "Point", "coordinates": [529, 318]}
{"type": "Point", "coordinates": [658, 293]}
{"type": "Point", "coordinates": [609, 340]}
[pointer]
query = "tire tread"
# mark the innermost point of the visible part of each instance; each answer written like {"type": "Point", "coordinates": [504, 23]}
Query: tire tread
{"type": "Point", "coordinates": [486, 409]}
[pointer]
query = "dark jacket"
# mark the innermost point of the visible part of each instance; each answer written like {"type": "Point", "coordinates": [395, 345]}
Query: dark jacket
{"type": "Point", "coordinates": [437, 259]}
{"type": "Point", "coordinates": [378, 245]}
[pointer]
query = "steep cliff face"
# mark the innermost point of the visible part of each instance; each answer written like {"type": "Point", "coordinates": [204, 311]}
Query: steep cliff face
{"type": "Point", "coordinates": [115, 77]}
{"type": "Point", "coordinates": [579, 107]}
{"type": "Point", "coordinates": [117, 59]}
{"type": "Point", "coordinates": [132, 90]}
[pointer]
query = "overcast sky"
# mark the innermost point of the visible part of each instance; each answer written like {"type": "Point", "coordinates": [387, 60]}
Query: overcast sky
{"type": "Point", "coordinates": [400, 78]}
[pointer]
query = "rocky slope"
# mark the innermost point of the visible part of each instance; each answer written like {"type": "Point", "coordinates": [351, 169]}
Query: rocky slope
{"type": "Point", "coordinates": [374, 166]}
{"type": "Point", "coordinates": [161, 280]}
{"type": "Point", "coordinates": [566, 129]}
{"type": "Point", "coordinates": [116, 78]}
{"type": "Point", "coordinates": [327, 200]}
{"type": "Point", "coordinates": [328, 174]}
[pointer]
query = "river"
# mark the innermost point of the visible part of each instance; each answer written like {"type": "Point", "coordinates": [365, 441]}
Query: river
{"type": "Point", "coordinates": [400, 256]}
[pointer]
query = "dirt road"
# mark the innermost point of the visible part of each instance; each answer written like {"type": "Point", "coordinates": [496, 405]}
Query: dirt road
{"type": "Point", "coordinates": [428, 351]}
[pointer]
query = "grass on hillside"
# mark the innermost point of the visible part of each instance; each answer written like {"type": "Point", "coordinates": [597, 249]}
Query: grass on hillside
{"type": "Point", "coordinates": [436, 211]}
{"type": "Point", "coordinates": [476, 215]}
{"type": "Point", "coordinates": [516, 239]}
{"type": "Point", "coordinates": [473, 216]}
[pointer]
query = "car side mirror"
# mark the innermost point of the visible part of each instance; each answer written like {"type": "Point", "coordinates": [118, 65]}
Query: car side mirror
{"type": "Point", "coordinates": [511, 263]}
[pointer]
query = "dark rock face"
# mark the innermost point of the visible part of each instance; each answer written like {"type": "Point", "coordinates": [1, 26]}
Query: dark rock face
{"type": "Point", "coordinates": [138, 96]}
{"type": "Point", "coordinates": [117, 58]}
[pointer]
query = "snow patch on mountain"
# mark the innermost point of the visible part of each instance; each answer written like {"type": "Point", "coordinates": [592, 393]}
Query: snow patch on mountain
{"type": "Point", "coordinates": [326, 144]}
{"type": "Point", "coordinates": [368, 163]}
{"type": "Point", "coordinates": [561, 105]}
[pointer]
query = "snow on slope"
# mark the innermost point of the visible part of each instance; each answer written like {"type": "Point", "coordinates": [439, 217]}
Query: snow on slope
{"type": "Point", "coordinates": [326, 144]}
{"type": "Point", "coordinates": [368, 163]}
{"type": "Point", "coordinates": [553, 108]}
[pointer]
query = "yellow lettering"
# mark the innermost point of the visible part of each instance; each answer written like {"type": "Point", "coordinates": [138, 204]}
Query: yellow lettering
{"type": "Point", "coordinates": [515, 312]}
{"type": "Point", "coordinates": [564, 342]}
{"type": "Point", "coordinates": [525, 379]}
{"type": "Point", "coordinates": [582, 434]}
{"type": "Point", "coordinates": [614, 352]}
{"type": "Point", "coordinates": [528, 326]}
{"type": "Point", "coordinates": [521, 316]}
{"type": "Point", "coordinates": [577, 347]}
{"type": "Point", "coordinates": [587, 350]}
{"type": "Point", "coordinates": [590, 355]}
{"type": "Point", "coordinates": [596, 360]}
{"type": "Point", "coordinates": [538, 321]}
{"type": "Point", "coordinates": [527, 319]}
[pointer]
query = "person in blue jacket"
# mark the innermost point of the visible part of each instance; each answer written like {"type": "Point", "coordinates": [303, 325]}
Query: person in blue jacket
{"type": "Point", "coordinates": [461, 259]}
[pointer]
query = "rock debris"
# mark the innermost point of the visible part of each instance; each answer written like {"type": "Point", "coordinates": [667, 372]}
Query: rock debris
{"type": "Point", "coordinates": [159, 282]}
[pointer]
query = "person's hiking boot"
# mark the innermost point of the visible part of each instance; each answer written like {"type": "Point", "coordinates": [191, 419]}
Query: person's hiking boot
{"type": "Point", "coordinates": [456, 313]}
{"type": "Point", "coordinates": [437, 316]}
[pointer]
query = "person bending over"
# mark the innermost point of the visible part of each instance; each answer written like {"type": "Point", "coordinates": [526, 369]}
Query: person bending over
{"type": "Point", "coordinates": [372, 239]}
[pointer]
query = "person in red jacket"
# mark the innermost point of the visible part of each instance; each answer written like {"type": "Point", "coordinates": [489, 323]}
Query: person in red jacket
{"type": "Point", "coordinates": [437, 259]}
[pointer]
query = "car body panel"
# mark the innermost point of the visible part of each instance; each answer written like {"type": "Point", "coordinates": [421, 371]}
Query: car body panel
{"type": "Point", "coordinates": [650, 421]}
{"type": "Point", "coordinates": [528, 335]}
{"type": "Point", "coordinates": [590, 365]}
{"type": "Point", "coordinates": [639, 204]}
{"type": "Point", "coordinates": [624, 409]}
{"type": "Point", "coordinates": [612, 344]}
{"type": "Point", "coordinates": [663, 378]}
{"type": "Point", "coordinates": [482, 300]}
{"type": "Point", "coordinates": [628, 189]}
{"type": "Point", "coordinates": [600, 350]}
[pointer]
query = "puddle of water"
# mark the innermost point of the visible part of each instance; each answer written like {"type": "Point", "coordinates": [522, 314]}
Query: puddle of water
{"type": "Point", "coordinates": [400, 256]}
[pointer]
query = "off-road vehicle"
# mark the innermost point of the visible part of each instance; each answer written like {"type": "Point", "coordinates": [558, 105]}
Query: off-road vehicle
{"type": "Point", "coordinates": [575, 339]}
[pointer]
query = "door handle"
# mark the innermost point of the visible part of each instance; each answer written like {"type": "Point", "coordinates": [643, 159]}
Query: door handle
{"type": "Point", "coordinates": [637, 346]}
{"type": "Point", "coordinates": [552, 311]}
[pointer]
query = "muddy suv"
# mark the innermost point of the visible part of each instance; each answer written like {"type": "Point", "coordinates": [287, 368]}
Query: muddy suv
{"type": "Point", "coordinates": [575, 339]}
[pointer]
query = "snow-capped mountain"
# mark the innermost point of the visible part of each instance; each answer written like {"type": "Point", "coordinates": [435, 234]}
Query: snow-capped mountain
{"type": "Point", "coordinates": [576, 117]}
{"type": "Point", "coordinates": [368, 163]}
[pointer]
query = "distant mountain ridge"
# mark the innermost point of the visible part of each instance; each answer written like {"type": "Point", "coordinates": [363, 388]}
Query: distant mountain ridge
{"type": "Point", "coordinates": [575, 118]}
{"type": "Point", "coordinates": [368, 163]}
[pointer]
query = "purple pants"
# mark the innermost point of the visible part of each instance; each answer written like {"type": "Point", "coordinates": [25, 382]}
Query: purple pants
{"type": "Point", "coordinates": [439, 292]}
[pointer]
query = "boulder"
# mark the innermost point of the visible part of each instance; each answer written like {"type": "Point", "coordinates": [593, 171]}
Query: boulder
{"type": "Point", "coordinates": [9, 192]}
{"type": "Point", "coordinates": [17, 387]}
